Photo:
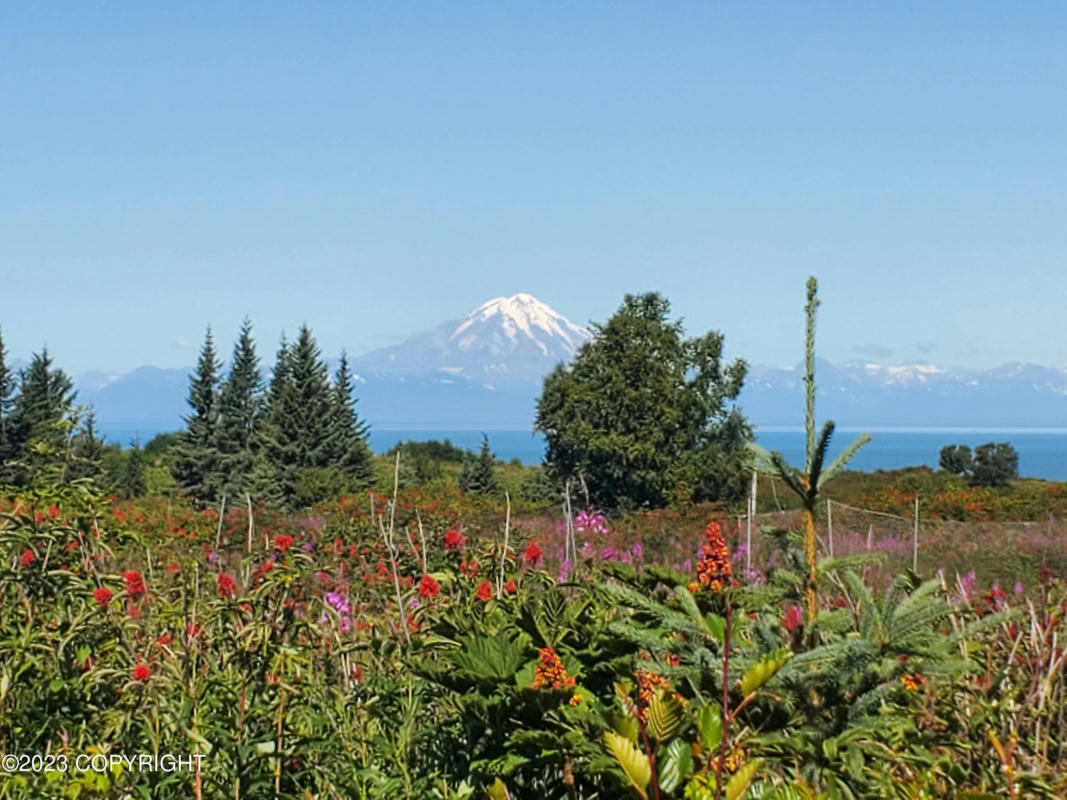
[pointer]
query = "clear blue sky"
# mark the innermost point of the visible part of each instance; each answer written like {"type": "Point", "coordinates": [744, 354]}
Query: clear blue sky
{"type": "Point", "coordinates": [376, 168]}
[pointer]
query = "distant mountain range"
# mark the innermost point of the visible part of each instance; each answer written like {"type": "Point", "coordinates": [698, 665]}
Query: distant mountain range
{"type": "Point", "coordinates": [485, 371]}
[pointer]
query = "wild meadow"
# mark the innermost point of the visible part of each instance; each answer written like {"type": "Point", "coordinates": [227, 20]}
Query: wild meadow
{"type": "Point", "coordinates": [407, 646]}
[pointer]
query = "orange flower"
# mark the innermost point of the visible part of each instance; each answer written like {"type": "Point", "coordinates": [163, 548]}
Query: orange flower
{"type": "Point", "coordinates": [550, 671]}
{"type": "Point", "coordinates": [713, 569]}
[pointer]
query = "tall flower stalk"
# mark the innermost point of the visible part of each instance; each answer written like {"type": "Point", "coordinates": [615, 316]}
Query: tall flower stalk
{"type": "Point", "coordinates": [807, 483]}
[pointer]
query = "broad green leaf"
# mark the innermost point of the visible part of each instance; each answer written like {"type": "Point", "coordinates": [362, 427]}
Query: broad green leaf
{"type": "Point", "coordinates": [498, 791]}
{"type": "Point", "coordinates": [675, 765]}
{"type": "Point", "coordinates": [709, 723]}
{"type": "Point", "coordinates": [634, 763]}
{"type": "Point", "coordinates": [663, 717]}
{"type": "Point", "coordinates": [738, 785]}
{"type": "Point", "coordinates": [761, 672]}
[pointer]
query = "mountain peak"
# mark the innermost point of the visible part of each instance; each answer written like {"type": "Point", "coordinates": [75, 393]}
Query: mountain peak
{"type": "Point", "coordinates": [522, 314]}
{"type": "Point", "coordinates": [509, 339]}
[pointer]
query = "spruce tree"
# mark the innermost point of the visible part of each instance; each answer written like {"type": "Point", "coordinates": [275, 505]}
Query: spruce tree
{"type": "Point", "coordinates": [197, 464]}
{"type": "Point", "coordinates": [351, 453]}
{"type": "Point", "coordinates": [301, 415]}
{"type": "Point", "coordinates": [88, 449]}
{"type": "Point", "coordinates": [479, 473]}
{"type": "Point", "coordinates": [42, 416]}
{"type": "Point", "coordinates": [133, 478]}
{"type": "Point", "coordinates": [239, 411]}
{"type": "Point", "coordinates": [7, 402]}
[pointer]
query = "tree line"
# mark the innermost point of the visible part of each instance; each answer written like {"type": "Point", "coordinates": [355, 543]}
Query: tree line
{"type": "Point", "coordinates": [290, 441]}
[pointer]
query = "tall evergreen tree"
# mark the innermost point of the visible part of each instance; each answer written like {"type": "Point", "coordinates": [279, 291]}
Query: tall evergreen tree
{"type": "Point", "coordinates": [240, 402]}
{"type": "Point", "coordinates": [88, 449]}
{"type": "Point", "coordinates": [42, 415]}
{"type": "Point", "coordinates": [351, 453]}
{"type": "Point", "coordinates": [7, 402]}
{"type": "Point", "coordinates": [197, 464]}
{"type": "Point", "coordinates": [479, 473]}
{"type": "Point", "coordinates": [133, 478]}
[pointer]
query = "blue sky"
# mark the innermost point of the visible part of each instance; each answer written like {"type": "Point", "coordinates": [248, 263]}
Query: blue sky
{"type": "Point", "coordinates": [374, 169]}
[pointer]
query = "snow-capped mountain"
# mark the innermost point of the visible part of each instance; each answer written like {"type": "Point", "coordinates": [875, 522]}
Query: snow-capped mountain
{"type": "Point", "coordinates": [506, 341]}
{"type": "Point", "coordinates": [486, 370]}
{"type": "Point", "coordinates": [1011, 395]}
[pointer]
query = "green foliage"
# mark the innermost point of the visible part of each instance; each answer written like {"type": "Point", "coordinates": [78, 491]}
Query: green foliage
{"type": "Point", "coordinates": [992, 464]}
{"type": "Point", "coordinates": [642, 413]}
{"type": "Point", "coordinates": [133, 478]}
{"type": "Point", "coordinates": [479, 474]}
{"type": "Point", "coordinates": [239, 410]}
{"type": "Point", "coordinates": [198, 458]}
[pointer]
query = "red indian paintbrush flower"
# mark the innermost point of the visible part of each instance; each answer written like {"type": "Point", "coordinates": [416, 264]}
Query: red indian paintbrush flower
{"type": "Point", "coordinates": [428, 587]}
{"type": "Point", "coordinates": [484, 591]}
{"type": "Point", "coordinates": [532, 553]}
{"type": "Point", "coordinates": [134, 583]}
{"type": "Point", "coordinates": [283, 542]}
{"type": "Point", "coordinates": [226, 586]}
{"type": "Point", "coordinates": [141, 672]}
{"type": "Point", "coordinates": [102, 595]}
{"type": "Point", "coordinates": [27, 558]}
{"type": "Point", "coordinates": [511, 586]}
{"type": "Point", "coordinates": [453, 539]}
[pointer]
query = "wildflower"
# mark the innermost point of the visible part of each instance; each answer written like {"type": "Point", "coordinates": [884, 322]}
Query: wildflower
{"type": "Point", "coordinates": [38, 518]}
{"type": "Point", "coordinates": [102, 595]}
{"type": "Point", "coordinates": [453, 539]}
{"type": "Point", "coordinates": [141, 672]}
{"type": "Point", "coordinates": [550, 671]}
{"type": "Point", "coordinates": [484, 592]}
{"type": "Point", "coordinates": [793, 619]}
{"type": "Point", "coordinates": [164, 639]}
{"type": "Point", "coordinates": [912, 682]}
{"type": "Point", "coordinates": [532, 553]}
{"type": "Point", "coordinates": [27, 558]}
{"type": "Point", "coordinates": [713, 569]}
{"type": "Point", "coordinates": [192, 630]}
{"type": "Point", "coordinates": [134, 583]}
{"type": "Point", "coordinates": [511, 586]}
{"type": "Point", "coordinates": [226, 585]}
{"type": "Point", "coordinates": [283, 542]}
{"type": "Point", "coordinates": [173, 567]}
{"type": "Point", "coordinates": [428, 587]}
{"type": "Point", "coordinates": [53, 511]}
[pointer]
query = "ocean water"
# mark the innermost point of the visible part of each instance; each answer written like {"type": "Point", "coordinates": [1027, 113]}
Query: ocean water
{"type": "Point", "coordinates": [1042, 452]}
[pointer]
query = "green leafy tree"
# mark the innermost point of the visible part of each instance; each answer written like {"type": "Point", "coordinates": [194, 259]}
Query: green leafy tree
{"type": "Point", "coordinates": [479, 473]}
{"type": "Point", "coordinates": [956, 459]}
{"type": "Point", "coordinates": [995, 464]}
{"type": "Point", "coordinates": [645, 415]}
{"type": "Point", "coordinates": [239, 412]}
{"type": "Point", "coordinates": [807, 483]}
{"type": "Point", "coordinates": [198, 459]}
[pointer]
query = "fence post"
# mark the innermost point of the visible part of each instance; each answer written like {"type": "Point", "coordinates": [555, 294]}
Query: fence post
{"type": "Point", "coordinates": [915, 539]}
{"type": "Point", "coordinates": [751, 513]}
{"type": "Point", "coordinates": [830, 527]}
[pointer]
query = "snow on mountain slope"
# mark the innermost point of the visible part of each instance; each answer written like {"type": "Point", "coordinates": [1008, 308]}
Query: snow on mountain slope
{"type": "Point", "coordinates": [515, 339]}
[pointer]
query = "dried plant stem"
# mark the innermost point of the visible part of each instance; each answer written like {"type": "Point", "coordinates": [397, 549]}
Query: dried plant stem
{"type": "Point", "coordinates": [504, 551]}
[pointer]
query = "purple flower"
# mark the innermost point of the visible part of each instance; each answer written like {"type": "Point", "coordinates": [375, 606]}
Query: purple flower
{"type": "Point", "coordinates": [338, 602]}
{"type": "Point", "coordinates": [1019, 587]}
{"type": "Point", "coordinates": [637, 551]}
{"type": "Point", "coordinates": [308, 547]}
